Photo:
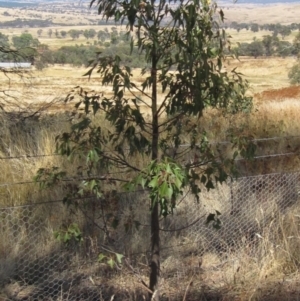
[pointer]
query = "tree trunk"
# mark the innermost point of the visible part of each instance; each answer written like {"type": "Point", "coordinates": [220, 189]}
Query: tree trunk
{"type": "Point", "coordinates": [155, 259]}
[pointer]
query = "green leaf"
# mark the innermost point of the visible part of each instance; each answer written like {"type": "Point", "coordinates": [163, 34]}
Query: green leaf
{"type": "Point", "coordinates": [143, 182]}
{"type": "Point", "coordinates": [178, 183]}
{"type": "Point", "coordinates": [169, 192]}
{"type": "Point", "coordinates": [119, 258]}
{"type": "Point", "coordinates": [111, 263]}
{"type": "Point", "coordinates": [101, 257]}
{"type": "Point", "coordinates": [67, 237]}
{"type": "Point", "coordinates": [163, 190]}
{"type": "Point", "coordinates": [129, 187]}
{"type": "Point", "coordinates": [154, 182]}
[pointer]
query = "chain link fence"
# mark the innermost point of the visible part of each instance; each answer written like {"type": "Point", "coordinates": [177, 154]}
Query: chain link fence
{"type": "Point", "coordinates": [36, 265]}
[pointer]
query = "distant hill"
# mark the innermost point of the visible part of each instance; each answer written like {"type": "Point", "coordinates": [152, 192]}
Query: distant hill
{"type": "Point", "coordinates": [26, 2]}
{"type": "Point", "coordinates": [22, 3]}
{"type": "Point", "coordinates": [32, 3]}
{"type": "Point", "coordinates": [263, 1]}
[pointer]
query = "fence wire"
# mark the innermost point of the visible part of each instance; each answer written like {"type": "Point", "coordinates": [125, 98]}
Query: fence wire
{"type": "Point", "coordinates": [34, 265]}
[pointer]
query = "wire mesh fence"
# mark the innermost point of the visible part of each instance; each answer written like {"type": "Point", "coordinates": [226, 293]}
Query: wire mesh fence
{"type": "Point", "coordinates": [43, 259]}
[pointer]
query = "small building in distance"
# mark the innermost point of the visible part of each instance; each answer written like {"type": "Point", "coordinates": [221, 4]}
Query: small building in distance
{"type": "Point", "coordinates": [15, 65]}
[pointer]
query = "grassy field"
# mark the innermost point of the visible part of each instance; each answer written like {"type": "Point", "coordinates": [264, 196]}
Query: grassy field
{"type": "Point", "coordinates": [247, 36]}
{"type": "Point", "coordinates": [262, 73]}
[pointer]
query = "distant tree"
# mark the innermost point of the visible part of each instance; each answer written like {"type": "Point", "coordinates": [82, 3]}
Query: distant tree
{"type": "Point", "coordinates": [271, 27]}
{"type": "Point", "coordinates": [43, 47]}
{"type": "Point", "coordinates": [63, 33]}
{"type": "Point", "coordinates": [4, 41]}
{"type": "Point", "coordinates": [101, 35]}
{"type": "Point", "coordinates": [74, 34]}
{"type": "Point", "coordinates": [241, 49]}
{"type": "Point", "coordinates": [254, 27]}
{"type": "Point", "coordinates": [92, 33]}
{"type": "Point", "coordinates": [26, 46]}
{"type": "Point", "coordinates": [86, 34]}
{"type": "Point", "coordinates": [114, 37]}
{"type": "Point", "coordinates": [39, 32]}
{"type": "Point", "coordinates": [295, 26]}
{"type": "Point", "coordinates": [234, 25]}
{"type": "Point", "coordinates": [50, 32]}
{"type": "Point", "coordinates": [285, 31]}
{"type": "Point", "coordinates": [285, 49]}
{"type": "Point", "coordinates": [40, 65]}
{"type": "Point", "coordinates": [244, 26]}
{"type": "Point", "coordinates": [89, 33]}
{"type": "Point", "coordinates": [25, 40]}
{"type": "Point", "coordinates": [267, 42]}
{"type": "Point", "coordinates": [59, 57]}
{"type": "Point", "coordinates": [276, 28]}
{"type": "Point", "coordinates": [47, 56]}
{"type": "Point", "coordinates": [255, 49]}
{"type": "Point", "coordinates": [270, 44]}
{"type": "Point", "coordinates": [6, 54]}
{"type": "Point", "coordinates": [294, 74]}
{"type": "Point", "coordinates": [56, 33]}
{"type": "Point", "coordinates": [296, 44]}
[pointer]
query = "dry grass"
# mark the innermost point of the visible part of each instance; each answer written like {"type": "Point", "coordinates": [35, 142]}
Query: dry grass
{"type": "Point", "coordinates": [284, 13]}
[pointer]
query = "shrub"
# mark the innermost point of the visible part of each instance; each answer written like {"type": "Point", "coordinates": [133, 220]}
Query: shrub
{"type": "Point", "coordinates": [294, 74]}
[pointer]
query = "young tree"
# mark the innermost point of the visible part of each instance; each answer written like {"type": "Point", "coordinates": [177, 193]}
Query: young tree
{"type": "Point", "coordinates": [183, 47]}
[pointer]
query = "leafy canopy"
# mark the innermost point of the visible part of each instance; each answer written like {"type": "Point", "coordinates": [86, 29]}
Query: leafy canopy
{"type": "Point", "coordinates": [184, 51]}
